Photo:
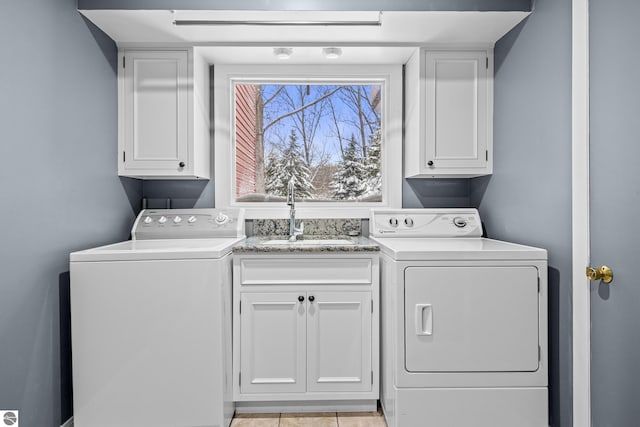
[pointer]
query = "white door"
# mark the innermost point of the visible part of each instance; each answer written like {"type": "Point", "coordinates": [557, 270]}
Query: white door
{"type": "Point", "coordinates": [456, 109]}
{"type": "Point", "coordinates": [471, 319]}
{"type": "Point", "coordinates": [339, 341]}
{"type": "Point", "coordinates": [615, 211]}
{"type": "Point", "coordinates": [155, 110]}
{"type": "Point", "coordinates": [272, 342]}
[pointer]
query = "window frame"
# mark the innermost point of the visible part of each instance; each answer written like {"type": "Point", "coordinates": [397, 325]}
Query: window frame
{"type": "Point", "coordinates": [224, 80]}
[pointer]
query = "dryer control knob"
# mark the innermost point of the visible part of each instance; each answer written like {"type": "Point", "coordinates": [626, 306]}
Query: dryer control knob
{"type": "Point", "coordinates": [393, 222]}
{"type": "Point", "coordinates": [177, 220]}
{"type": "Point", "coordinates": [148, 220]}
{"type": "Point", "coordinates": [459, 222]}
{"type": "Point", "coordinates": [192, 219]}
{"type": "Point", "coordinates": [162, 219]}
{"type": "Point", "coordinates": [408, 222]}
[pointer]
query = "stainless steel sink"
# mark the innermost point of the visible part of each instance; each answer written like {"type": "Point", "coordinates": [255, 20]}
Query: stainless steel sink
{"type": "Point", "coordinates": [309, 242]}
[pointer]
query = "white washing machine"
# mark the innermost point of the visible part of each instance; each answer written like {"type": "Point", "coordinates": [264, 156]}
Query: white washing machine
{"type": "Point", "coordinates": [464, 323]}
{"type": "Point", "coordinates": [151, 323]}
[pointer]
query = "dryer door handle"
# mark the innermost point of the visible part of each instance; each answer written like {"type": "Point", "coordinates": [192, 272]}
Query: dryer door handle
{"type": "Point", "coordinates": [424, 319]}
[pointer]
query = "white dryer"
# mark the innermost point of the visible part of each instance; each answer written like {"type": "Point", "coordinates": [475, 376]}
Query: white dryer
{"type": "Point", "coordinates": [464, 323]}
{"type": "Point", "coordinates": [151, 323]}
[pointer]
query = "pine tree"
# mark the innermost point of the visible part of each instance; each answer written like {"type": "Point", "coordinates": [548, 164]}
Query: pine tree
{"type": "Point", "coordinates": [372, 164]}
{"type": "Point", "coordinates": [349, 181]}
{"type": "Point", "coordinates": [290, 164]}
{"type": "Point", "coordinates": [273, 182]}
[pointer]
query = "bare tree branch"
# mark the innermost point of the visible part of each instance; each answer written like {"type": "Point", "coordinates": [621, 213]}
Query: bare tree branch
{"type": "Point", "coordinates": [297, 110]}
{"type": "Point", "coordinates": [272, 97]}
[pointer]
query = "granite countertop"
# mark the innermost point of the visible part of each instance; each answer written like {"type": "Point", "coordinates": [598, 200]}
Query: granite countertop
{"type": "Point", "coordinates": [258, 244]}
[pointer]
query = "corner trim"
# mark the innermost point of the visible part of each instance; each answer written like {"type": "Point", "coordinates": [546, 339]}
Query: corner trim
{"type": "Point", "coordinates": [580, 215]}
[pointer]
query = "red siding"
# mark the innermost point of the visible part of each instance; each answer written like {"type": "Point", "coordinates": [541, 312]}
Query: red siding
{"type": "Point", "coordinates": [246, 133]}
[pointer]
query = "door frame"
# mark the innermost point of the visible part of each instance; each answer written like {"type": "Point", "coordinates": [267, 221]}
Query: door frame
{"type": "Point", "coordinates": [581, 314]}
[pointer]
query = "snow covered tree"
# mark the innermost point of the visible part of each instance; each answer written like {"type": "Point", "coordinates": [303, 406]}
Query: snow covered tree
{"type": "Point", "coordinates": [349, 181]}
{"type": "Point", "coordinates": [373, 180]}
{"type": "Point", "coordinates": [273, 182]}
{"type": "Point", "coordinates": [280, 169]}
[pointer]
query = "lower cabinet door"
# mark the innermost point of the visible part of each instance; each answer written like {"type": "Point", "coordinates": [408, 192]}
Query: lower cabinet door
{"type": "Point", "coordinates": [339, 341]}
{"type": "Point", "coordinates": [273, 345]}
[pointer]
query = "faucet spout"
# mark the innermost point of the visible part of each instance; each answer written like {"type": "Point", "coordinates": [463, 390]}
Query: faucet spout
{"type": "Point", "coordinates": [291, 201]}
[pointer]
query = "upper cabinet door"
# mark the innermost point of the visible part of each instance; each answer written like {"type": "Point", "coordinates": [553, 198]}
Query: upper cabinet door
{"type": "Point", "coordinates": [156, 104]}
{"type": "Point", "coordinates": [449, 113]}
{"type": "Point", "coordinates": [456, 109]}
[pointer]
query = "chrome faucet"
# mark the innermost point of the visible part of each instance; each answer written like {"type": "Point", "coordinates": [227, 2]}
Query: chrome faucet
{"type": "Point", "coordinates": [291, 201]}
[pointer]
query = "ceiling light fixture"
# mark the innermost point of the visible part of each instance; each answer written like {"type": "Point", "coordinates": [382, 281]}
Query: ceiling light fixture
{"type": "Point", "coordinates": [282, 52]}
{"type": "Point", "coordinates": [332, 52]}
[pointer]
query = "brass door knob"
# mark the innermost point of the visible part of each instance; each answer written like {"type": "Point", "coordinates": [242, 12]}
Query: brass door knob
{"type": "Point", "coordinates": [603, 273]}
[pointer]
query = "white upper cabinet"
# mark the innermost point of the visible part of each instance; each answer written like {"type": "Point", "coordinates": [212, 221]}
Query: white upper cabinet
{"type": "Point", "coordinates": [163, 114]}
{"type": "Point", "coordinates": [449, 114]}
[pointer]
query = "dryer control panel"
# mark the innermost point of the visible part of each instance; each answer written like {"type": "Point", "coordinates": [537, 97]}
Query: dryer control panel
{"type": "Point", "coordinates": [188, 224]}
{"type": "Point", "coordinates": [425, 223]}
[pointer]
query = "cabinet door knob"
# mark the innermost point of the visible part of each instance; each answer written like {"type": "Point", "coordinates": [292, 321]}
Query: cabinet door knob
{"type": "Point", "coordinates": [312, 298]}
{"type": "Point", "coordinates": [181, 164]}
{"type": "Point", "coordinates": [301, 298]}
{"type": "Point", "coordinates": [430, 163]}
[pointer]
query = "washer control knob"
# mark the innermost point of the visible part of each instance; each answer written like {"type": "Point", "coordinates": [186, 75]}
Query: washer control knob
{"type": "Point", "coordinates": [459, 222]}
{"type": "Point", "coordinates": [148, 220]}
{"type": "Point", "coordinates": [177, 220]}
{"type": "Point", "coordinates": [192, 219]}
{"type": "Point", "coordinates": [162, 220]}
{"type": "Point", "coordinates": [408, 222]}
{"type": "Point", "coordinates": [221, 218]}
{"type": "Point", "coordinates": [393, 222]}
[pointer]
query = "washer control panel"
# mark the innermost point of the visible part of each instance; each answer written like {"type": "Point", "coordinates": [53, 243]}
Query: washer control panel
{"type": "Point", "coordinates": [188, 224]}
{"type": "Point", "coordinates": [425, 223]}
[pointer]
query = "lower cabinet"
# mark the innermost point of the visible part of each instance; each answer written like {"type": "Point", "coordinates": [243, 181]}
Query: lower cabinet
{"type": "Point", "coordinates": [302, 338]}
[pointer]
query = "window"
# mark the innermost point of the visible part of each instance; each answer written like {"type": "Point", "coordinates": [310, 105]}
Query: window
{"type": "Point", "coordinates": [336, 131]}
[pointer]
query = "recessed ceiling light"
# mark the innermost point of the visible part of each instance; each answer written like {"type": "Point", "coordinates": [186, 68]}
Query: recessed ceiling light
{"type": "Point", "coordinates": [332, 52]}
{"type": "Point", "coordinates": [282, 52]}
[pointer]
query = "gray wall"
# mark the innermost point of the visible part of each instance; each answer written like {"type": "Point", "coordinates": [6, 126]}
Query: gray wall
{"type": "Point", "coordinates": [58, 192]}
{"type": "Point", "coordinates": [528, 198]}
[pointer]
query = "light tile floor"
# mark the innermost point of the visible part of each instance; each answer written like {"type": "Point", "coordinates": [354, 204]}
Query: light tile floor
{"type": "Point", "coordinates": [324, 419]}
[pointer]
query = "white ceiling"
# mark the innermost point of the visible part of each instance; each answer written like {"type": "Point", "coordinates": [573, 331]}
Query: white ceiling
{"type": "Point", "coordinates": [390, 42]}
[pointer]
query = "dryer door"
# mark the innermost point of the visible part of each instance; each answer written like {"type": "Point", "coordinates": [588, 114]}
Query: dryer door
{"type": "Point", "coordinates": [471, 319]}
